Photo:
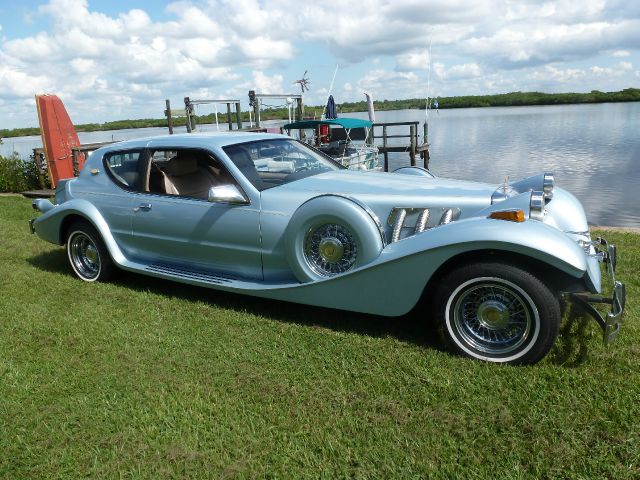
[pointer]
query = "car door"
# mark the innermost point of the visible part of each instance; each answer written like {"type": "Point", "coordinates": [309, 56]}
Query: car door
{"type": "Point", "coordinates": [112, 193]}
{"type": "Point", "coordinates": [173, 225]}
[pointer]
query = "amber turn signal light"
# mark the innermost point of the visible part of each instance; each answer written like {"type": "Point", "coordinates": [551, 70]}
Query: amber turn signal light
{"type": "Point", "coordinates": [509, 215]}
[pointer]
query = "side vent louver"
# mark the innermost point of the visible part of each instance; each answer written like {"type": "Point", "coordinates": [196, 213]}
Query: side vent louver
{"type": "Point", "coordinates": [401, 215]}
{"type": "Point", "coordinates": [422, 221]}
{"type": "Point", "coordinates": [408, 221]}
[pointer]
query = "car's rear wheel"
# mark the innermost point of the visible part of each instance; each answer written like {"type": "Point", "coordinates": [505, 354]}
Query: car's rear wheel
{"type": "Point", "coordinates": [497, 312]}
{"type": "Point", "coordinates": [88, 256]}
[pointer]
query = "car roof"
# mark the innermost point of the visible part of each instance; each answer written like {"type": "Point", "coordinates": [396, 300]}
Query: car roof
{"type": "Point", "coordinates": [194, 140]}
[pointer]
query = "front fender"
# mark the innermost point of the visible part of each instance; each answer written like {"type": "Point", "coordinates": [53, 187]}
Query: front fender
{"type": "Point", "coordinates": [395, 280]}
{"type": "Point", "coordinates": [531, 238]}
{"type": "Point", "coordinates": [49, 225]}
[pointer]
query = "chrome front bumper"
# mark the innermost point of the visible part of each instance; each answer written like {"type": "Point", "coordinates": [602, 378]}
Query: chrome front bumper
{"type": "Point", "coordinates": [610, 323]}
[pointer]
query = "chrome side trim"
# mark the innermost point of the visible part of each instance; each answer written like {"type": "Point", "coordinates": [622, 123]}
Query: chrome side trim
{"type": "Point", "coordinates": [423, 219]}
{"type": "Point", "coordinates": [447, 216]}
{"type": "Point", "coordinates": [398, 224]}
{"type": "Point", "coordinates": [371, 213]}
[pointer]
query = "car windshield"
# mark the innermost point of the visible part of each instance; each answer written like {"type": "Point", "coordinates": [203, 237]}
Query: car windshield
{"type": "Point", "coordinates": [269, 163]}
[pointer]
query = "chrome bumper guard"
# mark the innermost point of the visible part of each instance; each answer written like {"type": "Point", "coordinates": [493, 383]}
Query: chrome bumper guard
{"type": "Point", "coordinates": [610, 323]}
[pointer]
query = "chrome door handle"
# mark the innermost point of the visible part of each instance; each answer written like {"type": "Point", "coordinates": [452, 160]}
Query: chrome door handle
{"type": "Point", "coordinates": [145, 207]}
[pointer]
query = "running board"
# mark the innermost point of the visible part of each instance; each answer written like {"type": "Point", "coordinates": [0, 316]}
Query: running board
{"type": "Point", "coordinates": [188, 274]}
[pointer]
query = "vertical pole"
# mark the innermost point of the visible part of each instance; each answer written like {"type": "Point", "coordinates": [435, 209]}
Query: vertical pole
{"type": "Point", "coordinates": [425, 153]}
{"type": "Point", "coordinates": [229, 119]}
{"type": "Point", "coordinates": [38, 158]}
{"type": "Point", "coordinates": [74, 162]}
{"type": "Point", "coordinates": [412, 151]}
{"type": "Point", "coordinates": [187, 109]}
{"type": "Point", "coordinates": [384, 148]}
{"type": "Point", "coordinates": [299, 109]}
{"type": "Point", "coordinates": [238, 116]}
{"type": "Point", "coordinates": [256, 112]}
{"type": "Point", "coordinates": [167, 112]}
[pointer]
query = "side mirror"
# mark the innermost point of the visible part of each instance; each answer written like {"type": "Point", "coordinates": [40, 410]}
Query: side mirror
{"type": "Point", "coordinates": [227, 194]}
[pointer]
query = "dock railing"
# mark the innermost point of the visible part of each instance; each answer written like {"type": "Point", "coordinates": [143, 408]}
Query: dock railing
{"type": "Point", "coordinates": [413, 147]}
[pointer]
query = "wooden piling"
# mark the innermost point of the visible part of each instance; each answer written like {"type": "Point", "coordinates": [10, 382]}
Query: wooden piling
{"type": "Point", "coordinates": [238, 116]}
{"type": "Point", "coordinates": [385, 150]}
{"type": "Point", "coordinates": [425, 140]}
{"type": "Point", "coordinates": [299, 110]}
{"type": "Point", "coordinates": [412, 148]}
{"type": "Point", "coordinates": [229, 119]}
{"type": "Point", "coordinates": [188, 111]}
{"type": "Point", "coordinates": [167, 112]}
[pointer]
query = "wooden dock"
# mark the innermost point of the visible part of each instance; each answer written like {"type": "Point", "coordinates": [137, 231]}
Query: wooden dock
{"type": "Point", "coordinates": [414, 148]}
{"type": "Point", "coordinates": [45, 193]}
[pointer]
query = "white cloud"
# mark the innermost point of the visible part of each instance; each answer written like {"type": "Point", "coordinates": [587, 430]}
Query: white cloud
{"type": "Point", "coordinates": [621, 53]}
{"type": "Point", "coordinates": [412, 61]}
{"type": "Point", "coordinates": [550, 72]}
{"type": "Point", "coordinates": [466, 70]}
{"type": "Point", "coordinates": [615, 70]}
{"type": "Point", "coordinates": [225, 45]}
{"type": "Point", "coordinates": [15, 83]}
{"type": "Point", "coordinates": [262, 83]}
{"type": "Point", "coordinates": [379, 82]}
{"type": "Point", "coordinates": [263, 47]}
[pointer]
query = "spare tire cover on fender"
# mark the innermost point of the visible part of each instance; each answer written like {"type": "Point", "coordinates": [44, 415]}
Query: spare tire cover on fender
{"type": "Point", "coordinates": [329, 235]}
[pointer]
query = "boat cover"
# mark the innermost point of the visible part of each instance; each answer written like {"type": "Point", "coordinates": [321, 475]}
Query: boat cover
{"type": "Point", "coordinates": [346, 123]}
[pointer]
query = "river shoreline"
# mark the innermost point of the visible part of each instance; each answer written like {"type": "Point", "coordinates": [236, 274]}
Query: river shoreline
{"type": "Point", "coordinates": [512, 99]}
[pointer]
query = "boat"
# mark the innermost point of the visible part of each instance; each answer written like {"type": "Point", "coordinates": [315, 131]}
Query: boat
{"type": "Point", "coordinates": [344, 139]}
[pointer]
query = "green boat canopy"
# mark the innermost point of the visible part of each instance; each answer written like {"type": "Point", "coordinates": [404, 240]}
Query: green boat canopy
{"type": "Point", "coordinates": [346, 123]}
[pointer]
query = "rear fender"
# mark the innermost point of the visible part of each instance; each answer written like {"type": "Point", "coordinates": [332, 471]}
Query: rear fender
{"type": "Point", "coordinates": [49, 225]}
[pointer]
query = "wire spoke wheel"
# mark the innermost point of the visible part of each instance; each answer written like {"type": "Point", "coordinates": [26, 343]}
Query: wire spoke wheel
{"type": "Point", "coordinates": [497, 311]}
{"type": "Point", "coordinates": [330, 249]}
{"type": "Point", "coordinates": [493, 316]}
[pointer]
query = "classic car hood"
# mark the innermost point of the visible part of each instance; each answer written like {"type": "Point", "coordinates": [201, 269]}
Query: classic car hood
{"type": "Point", "coordinates": [396, 189]}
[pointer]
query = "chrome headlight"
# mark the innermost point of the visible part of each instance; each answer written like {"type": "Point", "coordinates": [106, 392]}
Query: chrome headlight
{"type": "Point", "coordinates": [547, 185]}
{"type": "Point", "coordinates": [536, 207]}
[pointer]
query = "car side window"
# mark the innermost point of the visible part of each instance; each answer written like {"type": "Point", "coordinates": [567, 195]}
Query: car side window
{"type": "Point", "coordinates": [185, 172]}
{"type": "Point", "coordinates": [124, 168]}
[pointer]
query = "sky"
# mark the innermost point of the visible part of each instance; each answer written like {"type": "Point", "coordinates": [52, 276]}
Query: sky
{"type": "Point", "coordinates": [117, 59]}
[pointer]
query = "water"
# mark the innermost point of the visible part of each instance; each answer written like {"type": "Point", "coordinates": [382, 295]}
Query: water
{"type": "Point", "coordinates": [594, 150]}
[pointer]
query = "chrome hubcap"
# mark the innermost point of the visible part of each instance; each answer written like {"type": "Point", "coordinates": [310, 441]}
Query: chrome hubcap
{"type": "Point", "coordinates": [84, 256]}
{"type": "Point", "coordinates": [330, 249]}
{"type": "Point", "coordinates": [492, 317]}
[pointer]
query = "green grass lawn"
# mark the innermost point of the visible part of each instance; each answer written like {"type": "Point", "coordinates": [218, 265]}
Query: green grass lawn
{"type": "Point", "coordinates": [143, 378]}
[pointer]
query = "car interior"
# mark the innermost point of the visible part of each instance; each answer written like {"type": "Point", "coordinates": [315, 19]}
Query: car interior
{"type": "Point", "coordinates": [187, 173]}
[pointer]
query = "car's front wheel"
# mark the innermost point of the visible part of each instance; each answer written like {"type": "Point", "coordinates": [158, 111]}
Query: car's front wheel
{"type": "Point", "coordinates": [88, 256]}
{"type": "Point", "coordinates": [497, 312]}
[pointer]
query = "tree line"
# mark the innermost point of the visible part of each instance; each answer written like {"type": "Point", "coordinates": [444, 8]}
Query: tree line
{"type": "Point", "coordinates": [467, 101]}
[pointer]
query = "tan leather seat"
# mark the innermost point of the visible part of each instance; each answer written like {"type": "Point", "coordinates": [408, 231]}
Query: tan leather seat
{"type": "Point", "coordinates": [186, 177]}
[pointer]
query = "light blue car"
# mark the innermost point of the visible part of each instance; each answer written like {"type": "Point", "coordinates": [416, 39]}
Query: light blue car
{"type": "Point", "coordinates": [269, 216]}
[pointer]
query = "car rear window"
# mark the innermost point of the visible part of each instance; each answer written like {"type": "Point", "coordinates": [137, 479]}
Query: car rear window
{"type": "Point", "coordinates": [124, 168]}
